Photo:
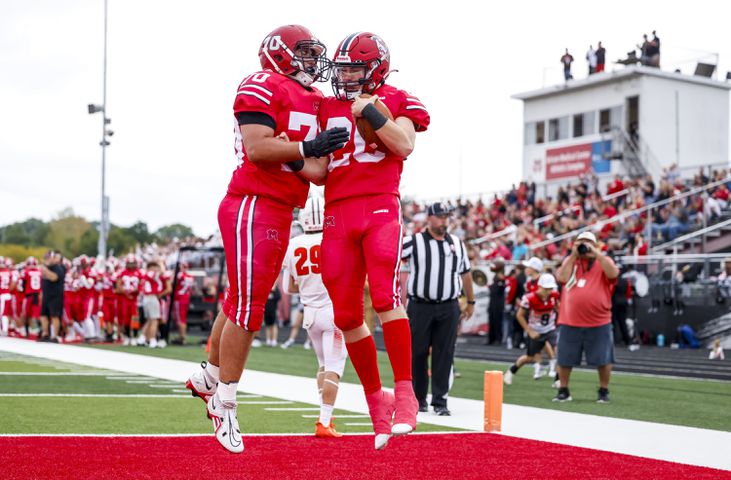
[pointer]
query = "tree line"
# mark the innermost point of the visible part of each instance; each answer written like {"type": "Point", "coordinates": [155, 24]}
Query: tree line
{"type": "Point", "coordinates": [74, 235]}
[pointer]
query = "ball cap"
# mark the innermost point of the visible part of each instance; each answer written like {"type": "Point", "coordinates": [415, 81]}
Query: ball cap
{"type": "Point", "coordinates": [438, 209]}
{"type": "Point", "coordinates": [587, 236]}
{"type": "Point", "coordinates": [547, 281]}
{"type": "Point", "coordinates": [535, 263]}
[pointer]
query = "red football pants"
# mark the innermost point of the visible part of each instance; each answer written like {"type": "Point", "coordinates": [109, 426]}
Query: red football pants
{"type": "Point", "coordinates": [180, 310]}
{"type": "Point", "coordinates": [362, 236]}
{"type": "Point", "coordinates": [255, 232]}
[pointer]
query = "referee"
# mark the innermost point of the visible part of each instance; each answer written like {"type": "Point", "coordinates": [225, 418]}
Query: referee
{"type": "Point", "coordinates": [438, 266]}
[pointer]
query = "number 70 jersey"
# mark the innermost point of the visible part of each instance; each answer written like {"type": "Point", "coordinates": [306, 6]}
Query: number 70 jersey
{"type": "Point", "coordinates": [302, 263]}
{"type": "Point", "coordinates": [293, 108]}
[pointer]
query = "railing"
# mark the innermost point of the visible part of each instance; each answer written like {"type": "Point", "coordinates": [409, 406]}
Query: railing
{"type": "Point", "coordinates": [621, 216]}
{"type": "Point", "coordinates": [689, 236]}
{"type": "Point", "coordinates": [495, 235]}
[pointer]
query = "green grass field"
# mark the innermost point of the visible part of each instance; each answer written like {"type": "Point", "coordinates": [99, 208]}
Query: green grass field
{"type": "Point", "coordinates": [133, 404]}
{"type": "Point", "coordinates": [696, 403]}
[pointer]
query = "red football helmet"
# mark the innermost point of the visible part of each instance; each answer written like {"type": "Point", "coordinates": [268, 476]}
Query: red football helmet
{"type": "Point", "coordinates": [361, 65]}
{"type": "Point", "coordinates": [294, 51]}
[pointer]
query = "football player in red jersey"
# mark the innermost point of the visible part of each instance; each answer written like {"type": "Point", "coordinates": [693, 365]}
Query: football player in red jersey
{"type": "Point", "coordinates": [277, 145]}
{"type": "Point", "coordinates": [537, 316]}
{"type": "Point", "coordinates": [8, 278]}
{"type": "Point", "coordinates": [363, 223]}
{"type": "Point", "coordinates": [128, 288]}
{"type": "Point", "coordinates": [181, 301]}
{"type": "Point", "coordinates": [32, 278]}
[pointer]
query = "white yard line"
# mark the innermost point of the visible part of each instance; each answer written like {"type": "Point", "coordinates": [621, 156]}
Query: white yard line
{"type": "Point", "coordinates": [92, 395]}
{"type": "Point", "coordinates": [689, 445]}
{"type": "Point", "coordinates": [56, 374]}
{"type": "Point", "coordinates": [364, 424]}
{"type": "Point", "coordinates": [293, 409]}
{"type": "Point", "coordinates": [338, 416]}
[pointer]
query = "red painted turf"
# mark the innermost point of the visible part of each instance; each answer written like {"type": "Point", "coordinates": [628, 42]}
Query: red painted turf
{"type": "Point", "coordinates": [418, 457]}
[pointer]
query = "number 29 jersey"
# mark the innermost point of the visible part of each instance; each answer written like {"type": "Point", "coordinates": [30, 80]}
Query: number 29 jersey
{"type": "Point", "coordinates": [541, 313]}
{"type": "Point", "coordinates": [294, 111]}
{"type": "Point", "coordinates": [302, 263]}
{"type": "Point", "coordinates": [359, 169]}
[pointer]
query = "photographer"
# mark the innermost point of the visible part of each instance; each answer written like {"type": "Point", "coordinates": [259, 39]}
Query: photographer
{"type": "Point", "coordinates": [52, 287]}
{"type": "Point", "coordinates": [585, 314]}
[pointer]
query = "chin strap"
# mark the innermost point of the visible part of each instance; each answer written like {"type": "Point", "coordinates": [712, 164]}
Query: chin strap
{"type": "Point", "coordinates": [304, 78]}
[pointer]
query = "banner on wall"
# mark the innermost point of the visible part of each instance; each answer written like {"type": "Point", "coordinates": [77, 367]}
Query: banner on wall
{"type": "Point", "coordinates": [575, 160]}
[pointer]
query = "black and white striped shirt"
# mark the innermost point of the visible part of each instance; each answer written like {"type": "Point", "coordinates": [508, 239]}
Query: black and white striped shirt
{"type": "Point", "coordinates": [435, 266]}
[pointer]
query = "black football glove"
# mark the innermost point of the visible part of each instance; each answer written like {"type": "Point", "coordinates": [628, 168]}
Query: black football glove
{"type": "Point", "coordinates": [326, 142]}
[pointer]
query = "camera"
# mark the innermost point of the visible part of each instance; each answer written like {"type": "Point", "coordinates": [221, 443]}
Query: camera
{"type": "Point", "coordinates": [582, 249]}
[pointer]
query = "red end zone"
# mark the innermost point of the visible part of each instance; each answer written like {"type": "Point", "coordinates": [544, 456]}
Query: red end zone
{"type": "Point", "coordinates": [459, 456]}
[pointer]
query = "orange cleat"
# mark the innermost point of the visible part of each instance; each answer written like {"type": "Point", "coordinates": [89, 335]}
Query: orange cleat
{"type": "Point", "coordinates": [326, 432]}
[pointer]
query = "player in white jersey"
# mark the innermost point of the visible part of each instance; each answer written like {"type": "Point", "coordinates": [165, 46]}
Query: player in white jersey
{"type": "Point", "coordinates": [302, 265]}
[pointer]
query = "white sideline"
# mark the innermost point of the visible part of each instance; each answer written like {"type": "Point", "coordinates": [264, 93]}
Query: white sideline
{"type": "Point", "coordinates": [694, 446]}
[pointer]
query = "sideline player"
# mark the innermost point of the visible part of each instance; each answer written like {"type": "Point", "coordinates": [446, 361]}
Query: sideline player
{"type": "Point", "coordinates": [272, 107]}
{"type": "Point", "coordinates": [303, 275]}
{"type": "Point", "coordinates": [363, 223]}
{"type": "Point", "coordinates": [540, 307]}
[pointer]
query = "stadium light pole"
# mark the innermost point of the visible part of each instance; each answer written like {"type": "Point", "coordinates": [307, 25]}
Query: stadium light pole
{"type": "Point", "coordinates": [106, 133]}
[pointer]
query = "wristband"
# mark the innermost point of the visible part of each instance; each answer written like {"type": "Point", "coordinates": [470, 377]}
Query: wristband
{"type": "Point", "coordinates": [301, 147]}
{"type": "Point", "coordinates": [374, 117]}
{"type": "Point", "coordinates": [470, 302]}
{"type": "Point", "coordinates": [296, 165]}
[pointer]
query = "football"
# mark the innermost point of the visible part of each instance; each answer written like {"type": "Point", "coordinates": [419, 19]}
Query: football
{"type": "Point", "coordinates": [365, 129]}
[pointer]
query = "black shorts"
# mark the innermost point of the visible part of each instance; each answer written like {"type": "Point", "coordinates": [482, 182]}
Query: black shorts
{"type": "Point", "coordinates": [52, 307]}
{"type": "Point", "coordinates": [270, 316]}
{"type": "Point", "coordinates": [596, 342]}
{"type": "Point", "coordinates": [536, 346]}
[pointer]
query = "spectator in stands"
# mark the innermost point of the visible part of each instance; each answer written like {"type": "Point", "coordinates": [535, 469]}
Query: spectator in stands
{"type": "Point", "coordinates": [600, 58]}
{"type": "Point", "coordinates": [588, 277]}
{"type": "Point", "coordinates": [520, 250]}
{"type": "Point", "coordinates": [724, 280]}
{"type": "Point", "coordinates": [52, 287]}
{"type": "Point", "coordinates": [567, 60]}
{"type": "Point", "coordinates": [591, 59]}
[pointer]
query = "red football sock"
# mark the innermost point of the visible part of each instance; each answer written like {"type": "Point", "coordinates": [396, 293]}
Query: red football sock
{"type": "Point", "coordinates": [365, 361]}
{"type": "Point", "coordinates": [397, 336]}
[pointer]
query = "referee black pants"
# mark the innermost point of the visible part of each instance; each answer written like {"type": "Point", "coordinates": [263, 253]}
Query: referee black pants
{"type": "Point", "coordinates": [435, 326]}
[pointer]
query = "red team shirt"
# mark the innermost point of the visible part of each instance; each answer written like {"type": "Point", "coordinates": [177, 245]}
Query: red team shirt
{"type": "Point", "coordinates": [357, 169]}
{"type": "Point", "coordinates": [294, 111]}
{"type": "Point", "coordinates": [541, 313]}
{"type": "Point", "coordinates": [153, 283]}
{"type": "Point", "coordinates": [32, 278]}
{"type": "Point", "coordinates": [185, 285]}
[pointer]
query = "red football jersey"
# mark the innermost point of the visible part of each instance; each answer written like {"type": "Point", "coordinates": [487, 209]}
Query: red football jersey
{"type": "Point", "coordinates": [294, 111]}
{"type": "Point", "coordinates": [32, 280]}
{"type": "Point", "coordinates": [185, 285]}
{"type": "Point", "coordinates": [130, 280]}
{"type": "Point", "coordinates": [108, 280]}
{"type": "Point", "coordinates": [531, 286]}
{"type": "Point", "coordinates": [6, 281]}
{"type": "Point", "coordinates": [153, 283]}
{"type": "Point", "coordinates": [541, 313]}
{"type": "Point", "coordinates": [357, 169]}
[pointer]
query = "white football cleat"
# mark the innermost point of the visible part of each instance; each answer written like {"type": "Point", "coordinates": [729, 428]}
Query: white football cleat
{"type": "Point", "coordinates": [225, 424]}
{"type": "Point", "coordinates": [508, 377]}
{"type": "Point", "coordinates": [382, 440]}
{"type": "Point", "coordinates": [201, 385]}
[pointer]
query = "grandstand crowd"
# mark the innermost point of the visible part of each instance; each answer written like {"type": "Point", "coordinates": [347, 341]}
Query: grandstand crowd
{"type": "Point", "coordinates": [510, 224]}
{"type": "Point", "coordinates": [105, 300]}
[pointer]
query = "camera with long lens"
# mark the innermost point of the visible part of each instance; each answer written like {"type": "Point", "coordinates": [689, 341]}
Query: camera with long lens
{"type": "Point", "coordinates": [582, 249]}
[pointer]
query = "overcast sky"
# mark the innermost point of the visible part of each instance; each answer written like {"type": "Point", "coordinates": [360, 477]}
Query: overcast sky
{"type": "Point", "coordinates": [173, 69]}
